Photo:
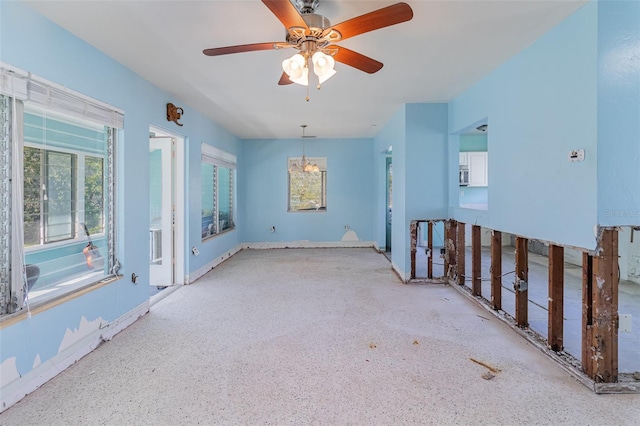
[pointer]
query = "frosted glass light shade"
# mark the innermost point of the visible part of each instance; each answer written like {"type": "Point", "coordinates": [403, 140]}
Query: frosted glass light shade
{"type": "Point", "coordinates": [296, 69]}
{"type": "Point", "coordinates": [323, 66]}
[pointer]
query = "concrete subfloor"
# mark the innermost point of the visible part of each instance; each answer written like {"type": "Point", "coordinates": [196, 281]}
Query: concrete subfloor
{"type": "Point", "coordinates": [628, 300]}
{"type": "Point", "coordinates": [316, 336]}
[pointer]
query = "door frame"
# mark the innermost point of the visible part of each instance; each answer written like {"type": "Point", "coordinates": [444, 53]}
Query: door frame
{"type": "Point", "coordinates": [388, 214]}
{"type": "Point", "coordinates": [178, 182]}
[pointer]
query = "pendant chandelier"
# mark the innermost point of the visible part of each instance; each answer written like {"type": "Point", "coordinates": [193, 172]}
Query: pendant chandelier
{"type": "Point", "coordinates": [305, 165]}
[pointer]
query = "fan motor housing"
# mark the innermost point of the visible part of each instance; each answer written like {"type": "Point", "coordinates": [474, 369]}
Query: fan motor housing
{"type": "Point", "coordinates": [316, 22]}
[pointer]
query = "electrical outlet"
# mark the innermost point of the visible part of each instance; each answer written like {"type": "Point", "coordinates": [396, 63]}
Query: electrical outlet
{"type": "Point", "coordinates": [624, 323]}
{"type": "Point", "coordinates": [576, 155]}
{"type": "Point", "coordinates": [195, 250]}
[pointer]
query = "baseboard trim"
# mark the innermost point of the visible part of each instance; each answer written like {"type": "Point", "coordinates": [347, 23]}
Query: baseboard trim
{"type": "Point", "coordinates": [566, 362]}
{"type": "Point", "coordinates": [192, 277]}
{"type": "Point", "coordinates": [309, 244]}
{"type": "Point", "coordinates": [49, 369]}
{"type": "Point", "coordinates": [401, 274]}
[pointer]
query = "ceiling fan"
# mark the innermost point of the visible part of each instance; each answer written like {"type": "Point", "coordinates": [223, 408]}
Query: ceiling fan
{"type": "Point", "coordinates": [314, 37]}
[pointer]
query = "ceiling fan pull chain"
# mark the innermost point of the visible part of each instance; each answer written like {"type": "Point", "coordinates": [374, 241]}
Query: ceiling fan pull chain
{"type": "Point", "coordinates": [308, 67]}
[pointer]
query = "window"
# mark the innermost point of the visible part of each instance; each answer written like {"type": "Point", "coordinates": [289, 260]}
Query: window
{"type": "Point", "coordinates": [51, 197]}
{"type": "Point", "coordinates": [307, 184]}
{"type": "Point", "coordinates": [61, 152]}
{"type": "Point", "coordinates": [218, 170]}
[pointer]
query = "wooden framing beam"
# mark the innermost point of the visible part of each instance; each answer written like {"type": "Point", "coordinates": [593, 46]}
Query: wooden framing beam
{"type": "Point", "coordinates": [476, 261]}
{"type": "Point", "coordinates": [496, 270]}
{"type": "Point", "coordinates": [430, 247]}
{"type": "Point", "coordinates": [587, 316]}
{"type": "Point", "coordinates": [556, 298]}
{"type": "Point", "coordinates": [605, 308]}
{"type": "Point", "coordinates": [461, 273]}
{"type": "Point", "coordinates": [522, 282]}
{"type": "Point", "coordinates": [447, 232]}
{"type": "Point", "coordinates": [451, 248]}
{"type": "Point", "coordinates": [413, 231]}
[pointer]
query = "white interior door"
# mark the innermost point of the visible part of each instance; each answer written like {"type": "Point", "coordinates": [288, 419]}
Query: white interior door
{"type": "Point", "coordinates": [161, 212]}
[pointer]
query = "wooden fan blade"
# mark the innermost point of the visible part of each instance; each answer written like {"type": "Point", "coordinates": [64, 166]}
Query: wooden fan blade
{"type": "Point", "coordinates": [357, 60]}
{"type": "Point", "coordinates": [217, 51]}
{"type": "Point", "coordinates": [385, 17]}
{"type": "Point", "coordinates": [284, 80]}
{"type": "Point", "coordinates": [286, 12]}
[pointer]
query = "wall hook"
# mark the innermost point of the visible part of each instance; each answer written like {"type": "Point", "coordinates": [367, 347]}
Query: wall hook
{"type": "Point", "coordinates": [174, 113]}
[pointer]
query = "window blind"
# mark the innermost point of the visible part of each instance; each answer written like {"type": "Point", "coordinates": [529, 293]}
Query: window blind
{"type": "Point", "coordinates": [39, 92]}
{"type": "Point", "coordinates": [218, 157]}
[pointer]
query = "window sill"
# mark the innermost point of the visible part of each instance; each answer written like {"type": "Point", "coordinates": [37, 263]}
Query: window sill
{"type": "Point", "coordinates": [210, 237]}
{"type": "Point", "coordinates": [45, 305]}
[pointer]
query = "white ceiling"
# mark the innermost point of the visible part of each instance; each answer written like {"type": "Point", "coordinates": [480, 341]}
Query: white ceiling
{"type": "Point", "coordinates": [447, 46]}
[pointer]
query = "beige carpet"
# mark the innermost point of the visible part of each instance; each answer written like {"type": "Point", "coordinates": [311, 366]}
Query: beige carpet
{"type": "Point", "coordinates": [316, 336]}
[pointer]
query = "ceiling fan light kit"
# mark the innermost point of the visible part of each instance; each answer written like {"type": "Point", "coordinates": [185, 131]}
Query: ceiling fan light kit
{"type": "Point", "coordinates": [296, 67]}
{"type": "Point", "coordinates": [314, 37]}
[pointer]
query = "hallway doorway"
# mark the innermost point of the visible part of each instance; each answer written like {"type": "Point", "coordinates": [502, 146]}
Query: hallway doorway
{"type": "Point", "coordinates": [166, 206]}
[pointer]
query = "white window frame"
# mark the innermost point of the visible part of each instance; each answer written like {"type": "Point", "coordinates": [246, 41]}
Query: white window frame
{"type": "Point", "coordinates": [79, 199]}
{"type": "Point", "coordinates": [218, 158]}
{"type": "Point", "coordinates": [18, 88]}
{"type": "Point", "coordinates": [293, 163]}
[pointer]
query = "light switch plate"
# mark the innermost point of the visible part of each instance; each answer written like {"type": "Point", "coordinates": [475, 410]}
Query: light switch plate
{"type": "Point", "coordinates": [625, 323]}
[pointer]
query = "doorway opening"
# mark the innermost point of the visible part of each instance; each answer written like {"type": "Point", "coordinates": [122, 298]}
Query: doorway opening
{"type": "Point", "coordinates": [389, 205]}
{"type": "Point", "coordinates": [166, 210]}
{"type": "Point", "coordinates": [473, 175]}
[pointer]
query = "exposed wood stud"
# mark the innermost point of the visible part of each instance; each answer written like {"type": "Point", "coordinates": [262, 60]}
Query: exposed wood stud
{"type": "Point", "coordinates": [522, 282]}
{"type": "Point", "coordinates": [430, 247]}
{"type": "Point", "coordinates": [496, 270]}
{"type": "Point", "coordinates": [461, 254]}
{"type": "Point", "coordinates": [413, 230]}
{"type": "Point", "coordinates": [476, 261]}
{"type": "Point", "coordinates": [451, 248]}
{"type": "Point", "coordinates": [605, 309]}
{"type": "Point", "coordinates": [447, 226]}
{"type": "Point", "coordinates": [587, 317]}
{"type": "Point", "coordinates": [556, 298]}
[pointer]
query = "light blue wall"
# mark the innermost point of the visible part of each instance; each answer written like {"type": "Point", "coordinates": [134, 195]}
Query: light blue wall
{"type": "Point", "coordinates": [425, 169]}
{"type": "Point", "coordinates": [263, 190]}
{"type": "Point", "coordinates": [32, 43]}
{"type": "Point", "coordinates": [392, 134]}
{"type": "Point", "coordinates": [539, 105]}
{"type": "Point", "coordinates": [618, 113]}
{"type": "Point", "coordinates": [471, 195]}
{"type": "Point", "coordinates": [418, 134]}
